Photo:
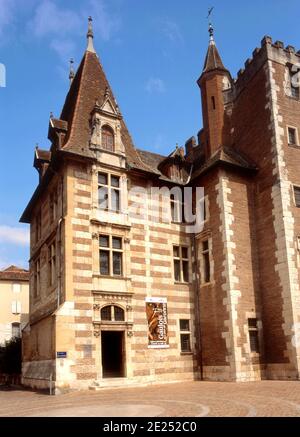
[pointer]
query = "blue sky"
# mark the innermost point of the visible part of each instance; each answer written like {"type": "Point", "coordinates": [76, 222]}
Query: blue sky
{"type": "Point", "coordinates": [152, 52]}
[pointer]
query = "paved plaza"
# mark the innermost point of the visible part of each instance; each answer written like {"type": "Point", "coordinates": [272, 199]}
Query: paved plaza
{"type": "Point", "coordinates": [192, 399]}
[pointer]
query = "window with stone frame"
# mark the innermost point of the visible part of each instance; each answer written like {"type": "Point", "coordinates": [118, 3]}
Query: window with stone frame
{"type": "Point", "coordinates": [298, 250]}
{"type": "Point", "coordinates": [205, 262]}
{"type": "Point", "coordinates": [185, 335]}
{"type": "Point", "coordinates": [37, 278]}
{"type": "Point", "coordinates": [297, 196]}
{"type": "Point", "coordinates": [52, 274]}
{"type": "Point", "coordinates": [38, 225]}
{"type": "Point", "coordinates": [112, 313]}
{"type": "Point", "coordinates": [107, 138]}
{"type": "Point", "coordinates": [253, 335]}
{"type": "Point", "coordinates": [53, 206]}
{"type": "Point", "coordinates": [110, 255]}
{"type": "Point", "coordinates": [181, 263]}
{"type": "Point", "coordinates": [294, 82]}
{"type": "Point", "coordinates": [109, 192]}
{"type": "Point", "coordinates": [292, 136]}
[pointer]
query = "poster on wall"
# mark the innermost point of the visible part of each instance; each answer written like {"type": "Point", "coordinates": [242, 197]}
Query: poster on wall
{"type": "Point", "coordinates": [157, 317]}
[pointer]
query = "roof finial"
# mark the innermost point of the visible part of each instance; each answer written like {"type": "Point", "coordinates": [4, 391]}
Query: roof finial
{"type": "Point", "coordinates": [72, 72]}
{"type": "Point", "coordinates": [210, 27]}
{"type": "Point", "coordinates": [90, 36]}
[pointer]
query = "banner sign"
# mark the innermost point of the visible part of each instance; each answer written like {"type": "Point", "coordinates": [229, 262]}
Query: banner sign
{"type": "Point", "coordinates": [157, 317]}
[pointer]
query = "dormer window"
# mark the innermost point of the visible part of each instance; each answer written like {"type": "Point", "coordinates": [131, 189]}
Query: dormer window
{"type": "Point", "coordinates": [175, 172]}
{"type": "Point", "coordinates": [107, 139]}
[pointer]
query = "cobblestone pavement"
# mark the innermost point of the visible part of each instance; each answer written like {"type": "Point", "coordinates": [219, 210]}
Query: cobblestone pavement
{"type": "Point", "coordinates": [192, 399]}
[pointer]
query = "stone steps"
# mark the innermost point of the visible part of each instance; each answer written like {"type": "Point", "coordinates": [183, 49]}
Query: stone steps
{"type": "Point", "coordinates": [111, 383]}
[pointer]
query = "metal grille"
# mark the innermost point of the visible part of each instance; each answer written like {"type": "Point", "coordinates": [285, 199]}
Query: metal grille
{"type": "Point", "coordinates": [106, 313]}
{"type": "Point", "coordinates": [185, 342]}
{"type": "Point", "coordinates": [292, 135]}
{"type": "Point", "coordinates": [119, 314]}
{"type": "Point", "coordinates": [254, 343]}
{"type": "Point", "coordinates": [184, 325]}
{"type": "Point", "coordinates": [252, 323]}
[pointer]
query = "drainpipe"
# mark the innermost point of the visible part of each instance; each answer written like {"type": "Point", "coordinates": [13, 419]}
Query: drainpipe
{"type": "Point", "coordinates": [197, 298]}
{"type": "Point", "coordinates": [198, 310]}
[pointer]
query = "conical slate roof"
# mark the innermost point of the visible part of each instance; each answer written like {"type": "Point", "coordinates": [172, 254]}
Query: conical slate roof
{"type": "Point", "coordinates": [213, 59]}
{"type": "Point", "coordinates": [88, 86]}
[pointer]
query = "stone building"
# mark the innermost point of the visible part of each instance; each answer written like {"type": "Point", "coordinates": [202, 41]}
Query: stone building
{"type": "Point", "coordinates": [119, 296]}
{"type": "Point", "coordinates": [14, 302]}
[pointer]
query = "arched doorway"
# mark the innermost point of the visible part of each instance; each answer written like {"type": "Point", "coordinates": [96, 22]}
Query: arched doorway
{"type": "Point", "coordinates": [112, 342]}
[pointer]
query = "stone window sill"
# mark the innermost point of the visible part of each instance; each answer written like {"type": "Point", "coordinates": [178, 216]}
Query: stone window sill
{"type": "Point", "coordinates": [123, 278]}
{"type": "Point", "coordinates": [206, 284]}
{"type": "Point", "coordinates": [183, 283]}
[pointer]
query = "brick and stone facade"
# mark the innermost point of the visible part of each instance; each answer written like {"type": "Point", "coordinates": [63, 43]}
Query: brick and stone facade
{"type": "Point", "coordinates": [14, 302]}
{"type": "Point", "coordinates": [234, 308]}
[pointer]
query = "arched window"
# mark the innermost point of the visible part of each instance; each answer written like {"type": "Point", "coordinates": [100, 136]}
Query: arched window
{"type": "Point", "coordinates": [107, 138]}
{"type": "Point", "coordinates": [112, 313]}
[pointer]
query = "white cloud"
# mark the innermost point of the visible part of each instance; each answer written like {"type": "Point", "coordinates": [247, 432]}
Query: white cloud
{"type": "Point", "coordinates": [171, 30]}
{"type": "Point", "coordinates": [62, 25]}
{"type": "Point", "coordinates": [155, 85]}
{"type": "Point", "coordinates": [6, 14]}
{"type": "Point", "coordinates": [14, 235]}
{"type": "Point", "coordinates": [49, 19]}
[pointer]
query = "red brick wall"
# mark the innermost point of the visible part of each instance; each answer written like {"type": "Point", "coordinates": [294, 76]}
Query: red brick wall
{"type": "Point", "coordinates": [213, 119]}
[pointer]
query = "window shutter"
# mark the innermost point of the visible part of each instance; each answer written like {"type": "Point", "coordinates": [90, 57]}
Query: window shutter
{"type": "Point", "coordinates": [16, 288]}
{"type": "Point", "coordinates": [19, 307]}
{"type": "Point", "coordinates": [14, 307]}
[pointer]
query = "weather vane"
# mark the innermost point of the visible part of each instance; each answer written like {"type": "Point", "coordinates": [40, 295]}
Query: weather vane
{"type": "Point", "coordinates": [210, 12]}
{"type": "Point", "coordinates": [210, 27]}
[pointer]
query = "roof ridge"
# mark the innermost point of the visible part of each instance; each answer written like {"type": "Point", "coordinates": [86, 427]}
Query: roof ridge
{"type": "Point", "coordinates": [152, 153]}
{"type": "Point", "coordinates": [13, 267]}
{"type": "Point", "coordinates": [77, 99]}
